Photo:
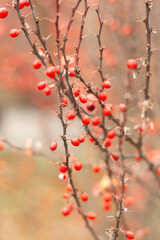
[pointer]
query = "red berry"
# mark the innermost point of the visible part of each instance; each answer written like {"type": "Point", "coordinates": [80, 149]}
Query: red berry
{"type": "Point", "coordinates": [70, 115]}
{"type": "Point", "coordinates": [65, 211]}
{"type": "Point", "coordinates": [115, 156]}
{"type": "Point", "coordinates": [51, 72]}
{"type": "Point", "coordinates": [37, 64]}
{"type": "Point", "coordinates": [69, 187]}
{"type": "Point", "coordinates": [41, 85]}
{"type": "Point", "coordinates": [1, 145]}
{"type": "Point", "coordinates": [106, 84]}
{"type": "Point", "coordinates": [90, 138]}
{"type": "Point", "coordinates": [137, 159]}
{"type": "Point", "coordinates": [123, 107]}
{"type": "Point", "coordinates": [47, 91]}
{"type": "Point", "coordinates": [109, 105]}
{"type": "Point", "coordinates": [132, 64]}
{"type": "Point", "coordinates": [75, 142]}
{"type": "Point", "coordinates": [62, 176]}
{"type": "Point", "coordinates": [107, 196]}
{"type": "Point", "coordinates": [111, 134]}
{"type": "Point", "coordinates": [91, 215]}
{"type": "Point", "coordinates": [63, 168]}
{"type": "Point", "coordinates": [27, 3]}
{"type": "Point", "coordinates": [83, 98]}
{"type": "Point", "coordinates": [14, 33]}
{"type": "Point", "coordinates": [78, 166]}
{"type": "Point", "coordinates": [107, 111]}
{"type": "Point", "coordinates": [3, 12]}
{"type": "Point", "coordinates": [96, 168]}
{"type": "Point", "coordinates": [129, 201]}
{"type": "Point", "coordinates": [81, 138]}
{"type": "Point", "coordinates": [130, 235]}
{"type": "Point", "coordinates": [21, 4]}
{"type": "Point", "coordinates": [107, 142]}
{"type": "Point", "coordinates": [102, 96]}
{"type": "Point", "coordinates": [64, 102]}
{"type": "Point", "coordinates": [53, 146]}
{"type": "Point", "coordinates": [158, 171]}
{"type": "Point", "coordinates": [106, 205]}
{"type": "Point", "coordinates": [71, 72]}
{"type": "Point", "coordinates": [84, 196]}
{"type": "Point", "coordinates": [66, 195]}
{"type": "Point", "coordinates": [96, 121]}
{"type": "Point", "coordinates": [76, 92]}
{"type": "Point", "coordinates": [58, 69]}
{"type": "Point", "coordinates": [85, 119]}
{"type": "Point", "coordinates": [90, 106]}
{"type": "Point", "coordinates": [126, 30]}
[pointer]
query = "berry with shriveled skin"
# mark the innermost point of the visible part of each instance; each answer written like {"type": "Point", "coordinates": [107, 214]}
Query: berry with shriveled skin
{"type": "Point", "coordinates": [90, 106]}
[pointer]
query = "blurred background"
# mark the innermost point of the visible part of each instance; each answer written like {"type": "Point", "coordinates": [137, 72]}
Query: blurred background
{"type": "Point", "coordinates": [30, 190]}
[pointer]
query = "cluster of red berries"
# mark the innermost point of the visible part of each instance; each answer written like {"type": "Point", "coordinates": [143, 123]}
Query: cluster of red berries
{"type": "Point", "coordinates": [4, 13]}
{"type": "Point", "coordinates": [23, 3]}
{"type": "Point", "coordinates": [83, 196]}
